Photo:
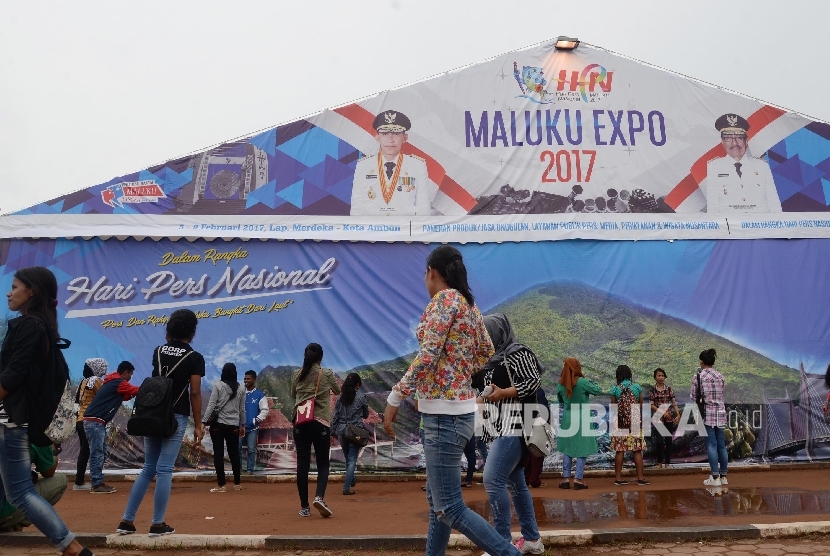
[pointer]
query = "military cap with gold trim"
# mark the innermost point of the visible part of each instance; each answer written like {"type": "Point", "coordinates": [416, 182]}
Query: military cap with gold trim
{"type": "Point", "coordinates": [391, 120]}
{"type": "Point", "coordinates": [732, 124]}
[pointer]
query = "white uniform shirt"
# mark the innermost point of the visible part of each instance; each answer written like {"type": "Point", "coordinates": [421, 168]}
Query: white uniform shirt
{"type": "Point", "coordinates": [412, 194]}
{"type": "Point", "coordinates": [752, 191]}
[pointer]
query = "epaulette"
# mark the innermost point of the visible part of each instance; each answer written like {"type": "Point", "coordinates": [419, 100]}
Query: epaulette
{"type": "Point", "coordinates": [416, 157]}
{"type": "Point", "coordinates": [365, 157]}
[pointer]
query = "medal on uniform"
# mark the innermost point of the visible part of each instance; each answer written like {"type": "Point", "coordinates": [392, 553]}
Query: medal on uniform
{"type": "Point", "coordinates": [388, 189]}
{"type": "Point", "coordinates": [371, 193]}
{"type": "Point", "coordinates": [408, 182]}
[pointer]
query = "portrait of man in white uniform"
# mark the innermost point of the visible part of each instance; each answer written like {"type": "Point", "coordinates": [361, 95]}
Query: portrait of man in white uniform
{"type": "Point", "coordinates": [392, 183]}
{"type": "Point", "coordinates": [738, 182]}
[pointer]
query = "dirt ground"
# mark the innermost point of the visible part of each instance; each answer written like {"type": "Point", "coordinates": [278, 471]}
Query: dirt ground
{"type": "Point", "coordinates": [400, 508]}
{"type": "Point", "coordinates": [816, 545]}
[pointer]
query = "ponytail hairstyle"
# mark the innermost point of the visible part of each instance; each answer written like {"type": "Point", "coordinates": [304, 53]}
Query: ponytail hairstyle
{"type": "Point", "coordinates": [313, 354]}
{"type": "Point", "coordinates": [44, 299]}
{"type": "Point", "coordinates": [350, 387]}
{"type": "Point", "coordinates": [448, 262]}
{"type": "Point", "coordinates": [708, 357]}
{"type": "Point", "coordinates": [229, 378]}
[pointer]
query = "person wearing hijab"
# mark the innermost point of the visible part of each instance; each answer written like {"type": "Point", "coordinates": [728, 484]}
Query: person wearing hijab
{"type": "Point", "coordinates": [511, 379]}
{"type": "Point", "coordinates": [95, 369]}
{"type": "Point", "coordinates": [228, 426]}
{"type": "Point", "coordinates": [575, 440]}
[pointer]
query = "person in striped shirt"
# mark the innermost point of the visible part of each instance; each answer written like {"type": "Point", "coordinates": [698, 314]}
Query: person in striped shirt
{"type": "Point", "coordinates": [512, 376]}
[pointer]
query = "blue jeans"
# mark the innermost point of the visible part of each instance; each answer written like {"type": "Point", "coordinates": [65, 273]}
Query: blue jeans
{"type": "Point", "coordinates": [159, 458]}
{"type": "Point", "coordinates": [444, 439]}
{"type": "Point", "coordinates": [250, 439]}
{"type": "Point", "coordinates": [716, 448]}
{"type": "Point", "coordinates": [504, 469]}
{"type": "Point", "coordinates": [16, 486]}
{"type": "Point", "coordinates": [579, 472]}
{"type": "Point", "coordinates": [350, 452]}
{"type": "Point", "coordinates": [481, 446]}
{"type": "Point", "coordinates": [96, 435]}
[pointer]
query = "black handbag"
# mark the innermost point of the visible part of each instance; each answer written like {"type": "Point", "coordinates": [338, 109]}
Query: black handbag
{"type": "Point", "coordinates": [700, 400]}
{"type": "Point", "coordinates": [357, 435]}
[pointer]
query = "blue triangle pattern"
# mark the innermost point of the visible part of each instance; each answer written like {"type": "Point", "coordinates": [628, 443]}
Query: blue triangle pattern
{"type": "Point", "coordinates": [266, 141]}
{"type": "Point", "coordinates": [786, 188]}
{"type": "Point", "coordinates": [342, 190]}
{"type": "Point", "coordinates": [810, 147]}
{"type": "Point", "coordinates": [63, 246]}
{"type": "Point", "coordinates": [293, 194]}
{"type": "Point", "coordinates": [267, 195]}
{"type": "Point", "coordinates": [311, 147]}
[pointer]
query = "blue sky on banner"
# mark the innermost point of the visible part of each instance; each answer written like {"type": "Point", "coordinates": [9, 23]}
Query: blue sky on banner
{"type": "Point", "coordinates": [100, 90]}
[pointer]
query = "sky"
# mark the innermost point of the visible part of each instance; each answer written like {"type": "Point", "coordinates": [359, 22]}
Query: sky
{"type": "Point", "coordinates": [93, 90]}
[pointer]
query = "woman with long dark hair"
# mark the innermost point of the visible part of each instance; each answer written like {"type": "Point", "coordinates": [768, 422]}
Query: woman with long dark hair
{"type": "Point", "coordinates": [351, 408]}
{"type": "Point", "coordinates": [627, 432]}
{"type": "Point", "coordinates": [24, 358]}
{"type": "Point", "coordinates": [453, 345]}
{"type": "Point", "coordinates": [311, 381]}
{"type": "Point", "coordinates": [187, 367]}
{"type": "Point", "coordinates": [228, 427]}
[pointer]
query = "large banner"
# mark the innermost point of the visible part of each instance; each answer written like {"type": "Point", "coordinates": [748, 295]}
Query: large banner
{"type": "Point", "coordinates": [645, 304]}
{"type": "Point", "coordinates": [537, 144]}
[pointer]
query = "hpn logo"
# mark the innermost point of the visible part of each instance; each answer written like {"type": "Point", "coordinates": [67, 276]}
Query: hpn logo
{"type": "Point", "coordinates": [589, 85]}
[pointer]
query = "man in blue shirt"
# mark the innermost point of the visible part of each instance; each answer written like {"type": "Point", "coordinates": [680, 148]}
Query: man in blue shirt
{"type": "Point", "coordinates": [256, 410]}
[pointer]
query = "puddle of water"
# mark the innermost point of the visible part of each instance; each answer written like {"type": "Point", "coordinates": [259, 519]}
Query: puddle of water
{"type": "Point", "coordinates": [672, 505]}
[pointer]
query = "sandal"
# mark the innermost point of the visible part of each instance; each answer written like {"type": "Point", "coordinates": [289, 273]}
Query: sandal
{"type": "Point", "coordinates": [579, 485]}
{"type": "Point", "coordinates": [565, 485]}
{"type": "Point", "coordinates": [642, 482]}
{"type": "Point", "coordinates": [466, 485]}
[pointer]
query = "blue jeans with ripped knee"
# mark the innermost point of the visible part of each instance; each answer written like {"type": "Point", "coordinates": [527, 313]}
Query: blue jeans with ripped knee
{"type": "Point", "coordinates": [445, 437]}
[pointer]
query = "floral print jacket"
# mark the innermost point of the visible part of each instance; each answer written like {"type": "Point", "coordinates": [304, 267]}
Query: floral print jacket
{"type": "Point", "coordinates": [453, 346]}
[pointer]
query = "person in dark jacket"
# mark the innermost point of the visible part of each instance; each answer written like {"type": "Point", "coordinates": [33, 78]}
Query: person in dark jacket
{"type": "Point", "coordinates": [26, 348]}
{"type": "Point", "coordinates": [115, 391]}
{"type": "Point", "coordinates": [350, 409]}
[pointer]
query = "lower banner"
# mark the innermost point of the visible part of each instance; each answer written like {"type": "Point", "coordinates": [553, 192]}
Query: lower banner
{"type": "Point", "coordinates": [646, 304]}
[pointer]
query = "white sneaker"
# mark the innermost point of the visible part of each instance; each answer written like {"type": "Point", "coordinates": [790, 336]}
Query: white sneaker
{"type": "Point", "coordinates": [712, 482]}
{"type": "Point", "coordinates": [723, 480]}
{"type": "Point", "coordinates": [530, 547]}
{"type": "Point", "coordinates": [85, 486]}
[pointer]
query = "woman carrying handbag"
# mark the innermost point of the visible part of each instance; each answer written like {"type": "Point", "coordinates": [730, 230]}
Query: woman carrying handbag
{"type": "Point", "coordinates": [310, 386]}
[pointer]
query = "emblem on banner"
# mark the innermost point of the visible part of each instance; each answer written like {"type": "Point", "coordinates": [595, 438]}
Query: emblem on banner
{"type": "Point", "coordinates": [144, 191]}
{"type": "Point", "coordinates": [532, 83]}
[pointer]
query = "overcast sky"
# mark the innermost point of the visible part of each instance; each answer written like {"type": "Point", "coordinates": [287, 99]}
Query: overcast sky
{"type": "Point", "coordinates": [93, 90]}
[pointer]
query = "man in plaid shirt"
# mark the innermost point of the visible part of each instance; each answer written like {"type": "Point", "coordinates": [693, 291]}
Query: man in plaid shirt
{"type": "Point", "coordinates": [711, 382]}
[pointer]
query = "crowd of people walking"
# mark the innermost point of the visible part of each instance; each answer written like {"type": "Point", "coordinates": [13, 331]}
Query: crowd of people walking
{"type": "Point", "coordinates": [467, 367]}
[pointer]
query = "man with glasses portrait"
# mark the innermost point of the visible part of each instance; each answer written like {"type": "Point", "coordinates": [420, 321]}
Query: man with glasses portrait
{"type": "Point", "coordinates": [390, 182]}
{"type": "Point", "coordinates": [738, 182]}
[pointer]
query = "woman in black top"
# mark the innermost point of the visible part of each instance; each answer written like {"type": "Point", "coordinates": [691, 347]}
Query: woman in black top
{"type": "Point", "coordinates": [350, 409]}
{"type": "Point", "coordinates": [23, 359]}
{"type": "Point", "coordinates": [160, 453]}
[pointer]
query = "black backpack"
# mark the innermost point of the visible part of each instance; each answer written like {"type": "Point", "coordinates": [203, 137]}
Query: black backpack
{"type": "Point", "coordinates": [45, 390]}
{"type": "Point", "coordinates": [153, 408]}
